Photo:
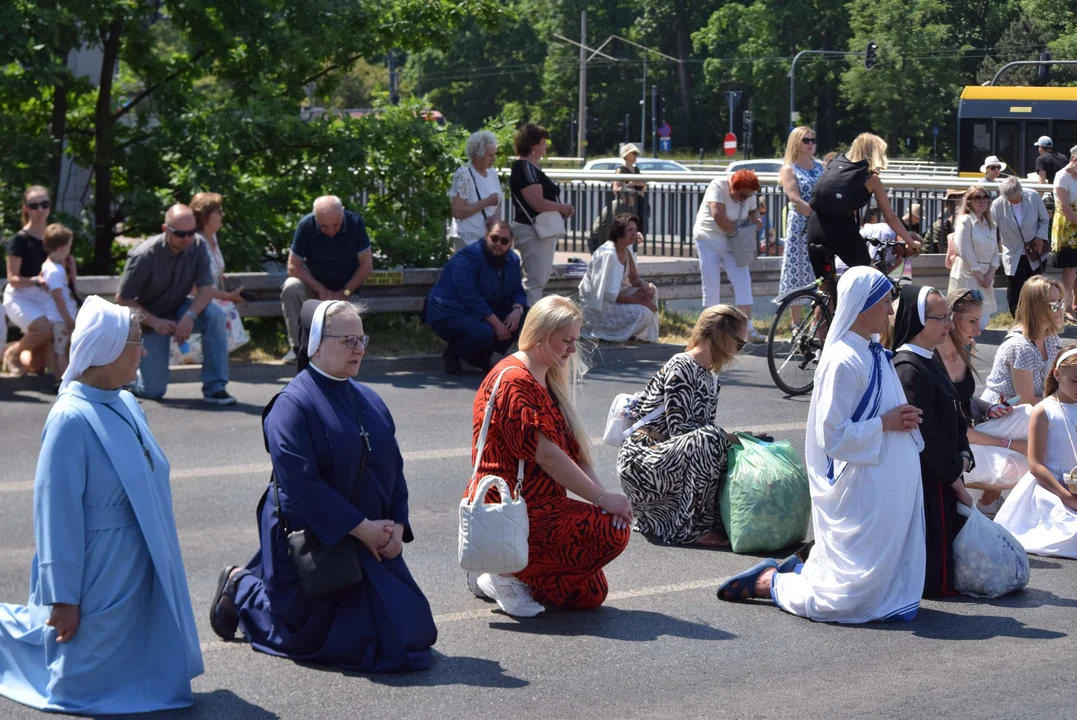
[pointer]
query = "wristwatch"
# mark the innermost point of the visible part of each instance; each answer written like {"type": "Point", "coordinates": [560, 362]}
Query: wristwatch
{"type": "Point", "coordinates": [347, 292]}
{"type": "Point", "coordinates": [191, 314]}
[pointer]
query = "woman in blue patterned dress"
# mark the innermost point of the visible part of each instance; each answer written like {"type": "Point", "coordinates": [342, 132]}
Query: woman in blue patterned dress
{"type": "Point", "coordinates": [798, 175]}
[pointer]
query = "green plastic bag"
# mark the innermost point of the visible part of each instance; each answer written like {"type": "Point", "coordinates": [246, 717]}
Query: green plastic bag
{"type": "Point", "coordinates": [764, 501]}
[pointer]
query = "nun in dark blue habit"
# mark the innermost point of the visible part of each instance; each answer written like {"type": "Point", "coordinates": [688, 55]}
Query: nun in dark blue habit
{"type": "Point", "coordinates": [325, 433]}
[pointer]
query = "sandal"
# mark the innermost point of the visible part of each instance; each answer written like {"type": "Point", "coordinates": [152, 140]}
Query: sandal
{"type": "Point", "coordinates": [789, 564]}
{"type": "Point", "coordinates": [224, 619]}
{"type": "Point", "coordinates": [742, 586]}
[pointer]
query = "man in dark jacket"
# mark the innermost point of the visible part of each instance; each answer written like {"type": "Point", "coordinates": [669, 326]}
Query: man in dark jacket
{"type": "Point", "coordinates": [478, 304]}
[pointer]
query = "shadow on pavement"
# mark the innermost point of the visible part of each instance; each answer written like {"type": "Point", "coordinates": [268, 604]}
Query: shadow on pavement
{"type": "Point", "coordinates": [612, 623]}
{"type": "Point", "coordinates": [1027, 598]}
{"type": "Point", "coordinates": [446, 670]}
{"type": "Point", "coordinates": [219, 703]}
{"type": "Point", "coordinates": [1043, 564]}
{"type": "Point", "coordinates": [935, 624]}
{"type": "Point", "coordinates": [197, 404]}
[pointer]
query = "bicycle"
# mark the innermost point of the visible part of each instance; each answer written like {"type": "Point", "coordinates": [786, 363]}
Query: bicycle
{"type": "Point", "coordinates": [793, 362]}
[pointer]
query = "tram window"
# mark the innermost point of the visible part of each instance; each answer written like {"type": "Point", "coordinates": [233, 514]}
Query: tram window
{"type": "Point", "coordinates": [1065, 136]}
{"type": "Point", "coordinates": [1008, 133]}
{"type": "Point", "coordinates": [975, 144]}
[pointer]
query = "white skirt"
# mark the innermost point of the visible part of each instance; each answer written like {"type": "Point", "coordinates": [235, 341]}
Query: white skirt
{"type": "Point", "coordinates": [24, 305]}
{"type": "Point", "coordinates": [998, 467]}
{"type": "Point", "coordinates": [1039, 520]}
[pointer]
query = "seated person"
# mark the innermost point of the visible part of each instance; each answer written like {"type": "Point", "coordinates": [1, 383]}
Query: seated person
{"type": "Point", "coordinates": [330, 259]}
{"type": "Point", "coordinates": [862, 456]}
{"type": "Point", "coordinates": [923, 321]}
{"type": "Point", "coordinates": [672, 467]}
{"type": "Point", "coordinates": [1041, 512]}
{"type": "Point", "coordinates": [64, 308]}
{"type": "Point", "coordinates": [478, 303]}
{"type": "Point", "coordinates": [618, 305]}
{"type": "Point", "coordinates": [337, 473]}
{"type": "Point", "coordinates": [1023, 360]}
{"type": "Point", "coordinates": [159, 273]}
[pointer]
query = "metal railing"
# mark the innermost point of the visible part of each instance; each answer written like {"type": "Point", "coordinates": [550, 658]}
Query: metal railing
{"type": "Point", "coordinates": [673, 199]}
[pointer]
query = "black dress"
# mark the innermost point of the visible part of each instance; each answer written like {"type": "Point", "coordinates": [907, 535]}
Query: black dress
{"type": "Point", "coordinates": [944, 430]}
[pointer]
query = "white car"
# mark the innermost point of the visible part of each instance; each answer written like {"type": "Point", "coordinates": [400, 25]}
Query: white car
{"type": "Point", "coordinates": [756, 166]}
{"type": "Point", "coordinates": [644, 164]}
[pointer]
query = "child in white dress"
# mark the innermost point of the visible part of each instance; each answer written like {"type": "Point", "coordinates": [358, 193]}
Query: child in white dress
{"type": "Point", "coordinates": [1041, 512]}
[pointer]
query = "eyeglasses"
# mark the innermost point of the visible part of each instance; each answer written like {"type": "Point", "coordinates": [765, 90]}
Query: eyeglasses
{"type": "Point", "coordinates": [740, 343]}
{"type": "Point", "coordinates": [352, 341]}
{"type": "Point", "coordinates": [501, 239]}
{"type": "Point", "coordinates": [974, 294]}
{"type": "Point", "coordinates": [44, 205]}
{"type": "Point", "coordinates": [947, 319]}
{"type": "Point", "coordinates": [808, 141]}
{"type": "Point", "coordinates": [140, 342]}
{"type": "Point", "coordinates": [994, 167]}
{"type": "Point", "coordinates": [181, 233]}
{"type": "Point", "coordinates": [1057, 305]}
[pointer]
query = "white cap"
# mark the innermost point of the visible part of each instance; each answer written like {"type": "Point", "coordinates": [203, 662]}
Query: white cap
{"type": "Point", "coordinates": [1044, 141]}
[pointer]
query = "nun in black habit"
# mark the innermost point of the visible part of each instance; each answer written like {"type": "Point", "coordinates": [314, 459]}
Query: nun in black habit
{"type": "Point", "coordinates": [922, 321]}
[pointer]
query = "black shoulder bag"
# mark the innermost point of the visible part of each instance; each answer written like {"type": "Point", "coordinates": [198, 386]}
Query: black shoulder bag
{"type": "Point", "coordinates": [322, 570]}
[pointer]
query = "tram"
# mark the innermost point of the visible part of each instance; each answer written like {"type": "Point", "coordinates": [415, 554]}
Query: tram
{"type": "Point", "coordinates": [1007, 120]}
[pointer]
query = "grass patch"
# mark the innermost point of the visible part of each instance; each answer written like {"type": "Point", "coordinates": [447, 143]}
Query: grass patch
{"type": "Point", "coordinates": [391, 335]}
{"type": "Point", "coordinates": [1002, 321]}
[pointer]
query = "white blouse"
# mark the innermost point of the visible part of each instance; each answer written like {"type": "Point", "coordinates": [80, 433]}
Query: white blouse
{"type": "Point", "coordinates": [472, 229]}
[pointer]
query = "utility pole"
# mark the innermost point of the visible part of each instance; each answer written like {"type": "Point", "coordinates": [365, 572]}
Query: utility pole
{"type": "Point", "coordinates": [643, 108]}
{"type": "Point", "coordinates": [583, 85]}
{"type": "Point", "coordinates": [394, 91]}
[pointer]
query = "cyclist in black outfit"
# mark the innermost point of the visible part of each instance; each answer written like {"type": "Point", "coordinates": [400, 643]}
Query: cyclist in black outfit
{"type": "Point", "coordinates": [843, 190]}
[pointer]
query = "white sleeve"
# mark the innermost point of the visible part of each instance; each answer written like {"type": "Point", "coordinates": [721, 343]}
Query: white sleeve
{"type": "Point", "coordinates": [714, 193]}
{"type": "Point", "coordinates": [461, 185]}
{"type": "Point", "coordinates": [55, 277]}
{"type": "Point", "coordinates": [841, 388]}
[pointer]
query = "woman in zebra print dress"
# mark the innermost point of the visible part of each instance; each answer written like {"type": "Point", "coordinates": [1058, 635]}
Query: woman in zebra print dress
{"type": "Point", "coordinates": [671, 468]}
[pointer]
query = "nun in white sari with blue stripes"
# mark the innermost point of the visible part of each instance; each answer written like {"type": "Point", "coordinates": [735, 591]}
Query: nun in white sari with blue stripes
{"type": "Point", "coordinates": [867, 563]}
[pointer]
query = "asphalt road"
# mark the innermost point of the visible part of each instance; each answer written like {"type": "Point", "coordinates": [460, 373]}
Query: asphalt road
{"type": "Point", "coordinates": [663, 646]}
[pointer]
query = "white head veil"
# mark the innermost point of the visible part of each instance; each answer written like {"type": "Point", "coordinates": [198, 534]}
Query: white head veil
{"type": "Point", "coordinates": [100, 335]}
{"type": "Point", "coordinates": [858, 290]}
{"type": "Point", "coordinates": [317, 326]}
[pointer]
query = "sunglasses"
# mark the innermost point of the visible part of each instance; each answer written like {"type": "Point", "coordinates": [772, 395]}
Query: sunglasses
{"type": "Point", "coordinates": [974, 294]}
{"type": "Point", "coordinates": [181, 233]}
{"type": "Point", "coordinates": [994, 167]}
{"type": "Point", "coordinates": [740, 343]}
{"type": "Point", "coordinates": [44, 205]}
{"type": "Point", "coordinates": [980, 198]}
{"type": "Point", "coordinates": [1057, 305]}
{"type": "Point", "coordinates": [352, 341]}
{"type": "Point", "coordinates": [808, 141]}
{"type": "Point", "coordinates": [501, 239]}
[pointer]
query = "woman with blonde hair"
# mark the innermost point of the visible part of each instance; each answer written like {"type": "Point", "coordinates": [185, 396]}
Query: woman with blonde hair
{"type": "Point", "coordinates": [536, 434]}
{"type": "Point", "coordinates": [976, 255]}
{"type": "Point", "coordinates": [799, 175]}
{"type": "Point", "coordinates": [672, 466]}
{"type": "Point", "coordinates": [1024, 358]}
{"type": "Point", "coordinates": [844, 188]}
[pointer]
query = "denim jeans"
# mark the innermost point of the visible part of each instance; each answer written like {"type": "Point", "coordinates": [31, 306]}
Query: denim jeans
{"type": "Point", "coordinates": [152, 379]}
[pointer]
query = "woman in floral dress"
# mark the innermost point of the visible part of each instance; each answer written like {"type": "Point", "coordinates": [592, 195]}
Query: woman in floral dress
{"type": "Point", "coordinates": [798, 175]}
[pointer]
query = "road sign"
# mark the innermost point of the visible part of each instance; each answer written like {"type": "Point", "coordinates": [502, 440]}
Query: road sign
{"type": "Point", "coordinates": [730, 144]}
{"type": "Point", "coordinates": [664, 130]}
{"type": "Point", "coordinates": [665, 144]}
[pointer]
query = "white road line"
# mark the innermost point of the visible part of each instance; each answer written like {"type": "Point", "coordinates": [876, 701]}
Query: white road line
{"type": "Point", "coordinates": [488, 613]}
{"type": "Point", "coordinates": [263, 468]}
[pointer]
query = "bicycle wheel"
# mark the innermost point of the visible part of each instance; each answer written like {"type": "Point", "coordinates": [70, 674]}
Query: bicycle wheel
{"type": "Point", "coordinates": [794, 349]}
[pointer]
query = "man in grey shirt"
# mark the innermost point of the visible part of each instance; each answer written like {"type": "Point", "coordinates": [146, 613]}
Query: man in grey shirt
{"type": "Point", "coordinates": [157, 280]}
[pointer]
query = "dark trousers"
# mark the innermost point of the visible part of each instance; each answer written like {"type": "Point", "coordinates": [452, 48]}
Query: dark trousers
{"type": "Point", "coordinates": [1017, 281]}
{"type": "Point", "coordinates": [473, 339]}
{"type": "Point", "coordinates": [830, 235]}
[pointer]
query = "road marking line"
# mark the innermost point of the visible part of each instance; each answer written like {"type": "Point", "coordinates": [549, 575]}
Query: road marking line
{"type": "Point", "coordinates": [488, 612]}
{"type": "Point", "coordinates": [205, 473]}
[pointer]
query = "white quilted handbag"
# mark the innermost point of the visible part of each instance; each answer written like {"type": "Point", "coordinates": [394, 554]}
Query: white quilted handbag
{"type": "Point", "coordinates": [493, 537]}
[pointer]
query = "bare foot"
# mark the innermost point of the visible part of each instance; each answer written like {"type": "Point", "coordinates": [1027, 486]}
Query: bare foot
{"type": "Point", "coordinates": [712, 538]}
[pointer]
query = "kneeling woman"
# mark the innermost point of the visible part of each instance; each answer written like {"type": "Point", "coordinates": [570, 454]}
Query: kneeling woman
{"type": "Point", "coordinates": [339, 474]}
{"type": "Point", "coordinates": [534, 420]}
{"type": "Point", "coordinates": [1041, 512]}
{"type": "Point", "coordinates": [923, 322]}
{"type": "Point", "coordinates": [618, 304]}
{"type": "Point", "coordinates": [109, 627]}
{"type": "Point", "coordinates": [671, 468]}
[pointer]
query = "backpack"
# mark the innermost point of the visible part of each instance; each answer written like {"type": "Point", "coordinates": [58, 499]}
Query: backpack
{"type": "Point", "coordinates": [841, 188]}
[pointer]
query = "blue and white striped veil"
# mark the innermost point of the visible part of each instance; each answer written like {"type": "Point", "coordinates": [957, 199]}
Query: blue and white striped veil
{"type": "Point", "coordinates": [858, 289]}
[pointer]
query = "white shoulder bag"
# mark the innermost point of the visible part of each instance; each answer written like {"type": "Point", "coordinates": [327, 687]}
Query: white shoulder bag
{"type": "Point", "coordinates": [548, 225]}
{"type": "Point", "coordinates": [493, 538]}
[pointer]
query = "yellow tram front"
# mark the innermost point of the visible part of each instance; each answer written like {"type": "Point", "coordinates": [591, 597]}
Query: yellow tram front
{"type": "Point", "coordinates": [1006, 121]}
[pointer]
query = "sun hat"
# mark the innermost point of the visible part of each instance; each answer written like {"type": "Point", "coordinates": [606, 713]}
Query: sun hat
{"type": "Point", "coordinates": [991, 160]}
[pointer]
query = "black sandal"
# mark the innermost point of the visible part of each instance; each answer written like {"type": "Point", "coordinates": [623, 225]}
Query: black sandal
{"type": "Point", "coordinates": [734, 588]}
{"type": "Point", "coordinates": [224, 620]}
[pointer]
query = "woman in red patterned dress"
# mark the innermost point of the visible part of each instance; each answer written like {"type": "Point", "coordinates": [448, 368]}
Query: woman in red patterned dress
{"type": "Point", "coordinates": [534, 419]}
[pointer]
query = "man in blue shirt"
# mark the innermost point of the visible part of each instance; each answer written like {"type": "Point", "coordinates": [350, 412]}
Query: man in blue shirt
{"type": "Point", "coordinates": [329, 260]}
{"type": "Point", "coordinates": [478, 304]}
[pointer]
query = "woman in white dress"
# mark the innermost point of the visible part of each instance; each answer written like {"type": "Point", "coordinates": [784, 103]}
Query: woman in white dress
{"type": "Point", "coordinates": [617, 303]}
{"type": "Point", "coordinates": [475, 193]}
{"type": "Point", "coordinates": [1041, 512]}
{"type": "Point", "coordinates": [976, 249]}
{"type": "Point", "coordinates": [862, 452]}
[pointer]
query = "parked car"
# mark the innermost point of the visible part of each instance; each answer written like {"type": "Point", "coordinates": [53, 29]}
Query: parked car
{"type": "Point", "coordinates": [756, 166]}
{"type": "Point", "coordinates": [644, 164]}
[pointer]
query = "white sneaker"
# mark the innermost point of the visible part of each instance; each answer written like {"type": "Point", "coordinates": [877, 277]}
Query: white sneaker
{"type": "Point", "coordinates": [289, 357]}
{"type": "Point", "coordinates": [511, 595]}
{"type": "Point", "coordinates": [473, 586]}
{"type": "Point", "coordinates": [755, 337]}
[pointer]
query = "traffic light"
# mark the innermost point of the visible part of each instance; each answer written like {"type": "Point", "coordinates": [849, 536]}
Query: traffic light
{"type": "Point", "coordinates": [1043, 74]}
{"type": "Point", "coordinates": [869, 55]}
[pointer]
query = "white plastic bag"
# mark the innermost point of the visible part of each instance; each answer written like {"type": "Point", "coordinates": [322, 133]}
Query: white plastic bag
{"type": "Point", "coordinates": [988, 560]}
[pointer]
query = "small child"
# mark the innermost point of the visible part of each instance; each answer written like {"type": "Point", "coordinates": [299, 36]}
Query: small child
{"type": "Point", "coordinates": [64, 308]}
